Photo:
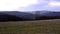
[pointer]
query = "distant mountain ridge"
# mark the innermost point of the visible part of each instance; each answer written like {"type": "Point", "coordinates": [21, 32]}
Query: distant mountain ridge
{"type": "Point", "coordinates": [17, 15]}
{"type": "Point", "coordinates": [48, 15]}
{"type": "Point", "coordinates": [20, 15]}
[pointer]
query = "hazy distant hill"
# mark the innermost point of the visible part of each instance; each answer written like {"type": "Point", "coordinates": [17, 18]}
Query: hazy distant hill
{"type": "Point", "coordinates": [16, 15]}
{"type": "Point", "coordinates": [48, 15]}
{"type": "Point", "coordinates": [54, 15]}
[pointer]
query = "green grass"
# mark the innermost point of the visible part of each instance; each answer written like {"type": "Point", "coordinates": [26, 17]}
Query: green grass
{"type": "Point", "coordinates": [31, 27]}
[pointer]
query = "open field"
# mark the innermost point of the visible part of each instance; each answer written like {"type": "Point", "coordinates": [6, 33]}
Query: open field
{"type": "Point", "coordinates": [31, 27]}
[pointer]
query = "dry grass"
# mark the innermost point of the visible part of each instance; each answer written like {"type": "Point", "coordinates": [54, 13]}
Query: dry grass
{"type": "Point", "coordinates": [31, 27]}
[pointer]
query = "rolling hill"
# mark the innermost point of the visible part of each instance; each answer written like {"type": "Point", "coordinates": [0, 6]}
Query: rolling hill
{"type": "Point", "coordinates": [15, 15]}
{"type": "Point", "coordinates": [20, 16]}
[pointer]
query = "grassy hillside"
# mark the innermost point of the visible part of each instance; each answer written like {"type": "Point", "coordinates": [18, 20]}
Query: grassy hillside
{"type": "Point", "coordinates": [31, 27]}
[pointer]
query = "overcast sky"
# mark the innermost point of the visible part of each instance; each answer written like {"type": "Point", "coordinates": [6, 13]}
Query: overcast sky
{"type": "Point", "coordinates": [29, 5]}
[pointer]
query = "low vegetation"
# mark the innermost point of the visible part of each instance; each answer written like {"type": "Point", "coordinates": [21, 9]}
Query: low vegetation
{"type": "Point", "coordinates": [31, 27]}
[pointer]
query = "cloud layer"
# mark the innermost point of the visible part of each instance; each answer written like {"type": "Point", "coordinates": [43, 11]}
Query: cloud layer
{"type": "Point", "coordinates": [15, 4]}
{"type": "Point", "coordinates": [29, 5]}
{"type": "Point", "coordinates": [50, 5]}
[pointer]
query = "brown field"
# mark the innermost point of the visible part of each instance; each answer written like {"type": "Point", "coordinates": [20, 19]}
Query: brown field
{"type": "Point", "coordinates": [31, 27]}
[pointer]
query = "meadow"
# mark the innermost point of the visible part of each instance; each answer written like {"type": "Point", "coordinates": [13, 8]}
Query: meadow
{"type": "Point", "coordinates": [31, 27]}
